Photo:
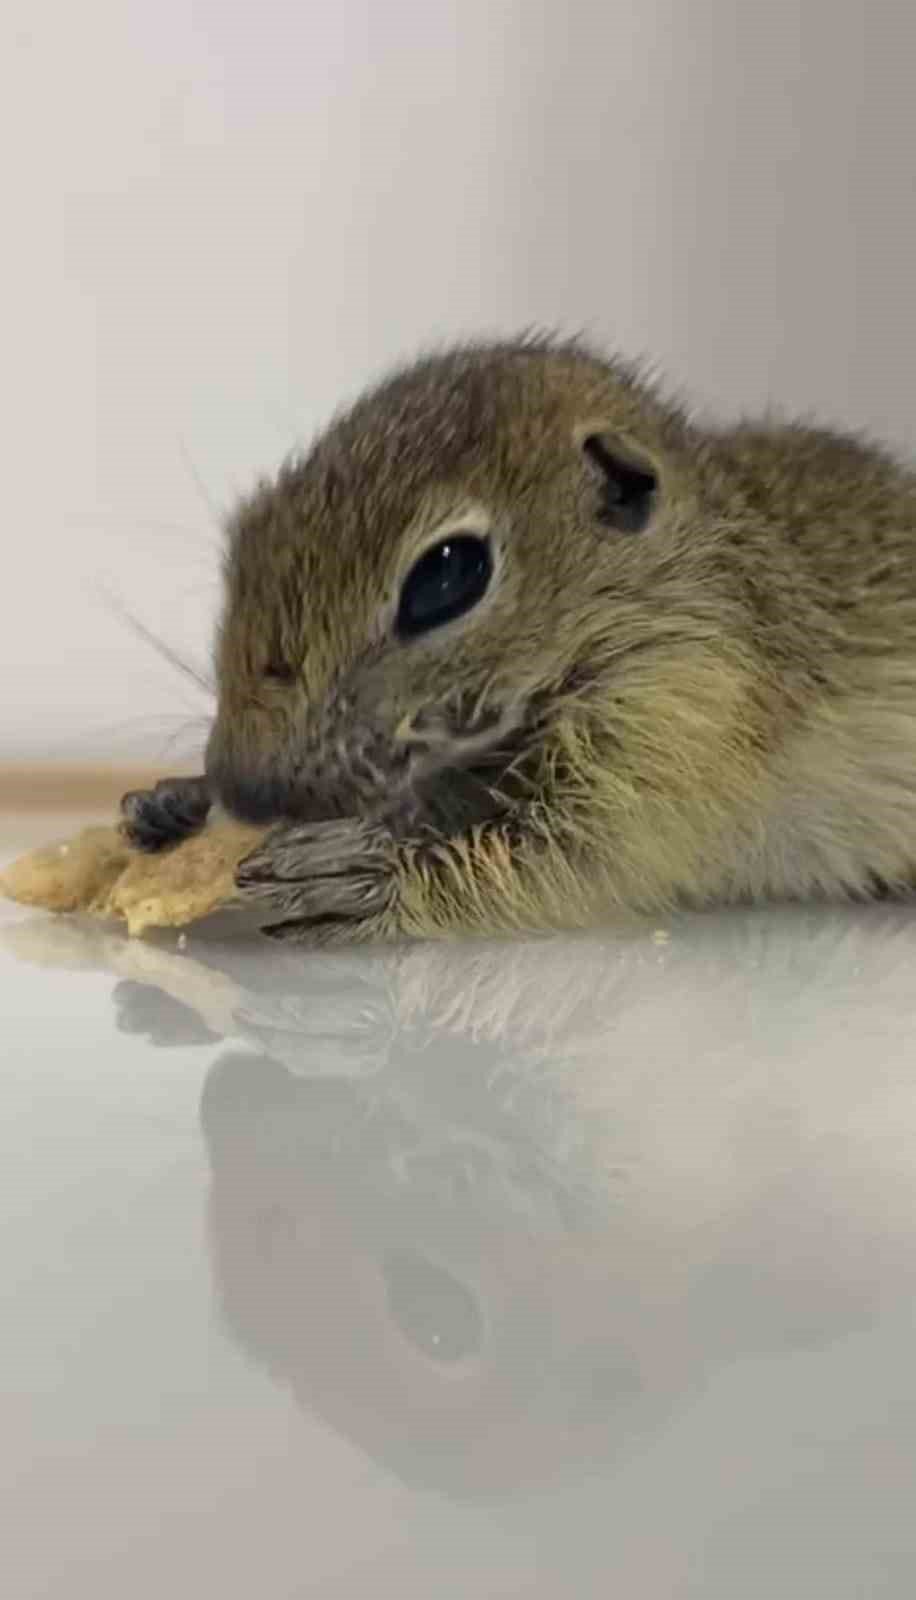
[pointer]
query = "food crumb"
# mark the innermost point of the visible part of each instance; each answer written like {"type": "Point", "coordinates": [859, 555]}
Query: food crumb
{"type": "Point", "coordinates": [661, 936]}
{"type": "Point", "coordinates": [182, 941]}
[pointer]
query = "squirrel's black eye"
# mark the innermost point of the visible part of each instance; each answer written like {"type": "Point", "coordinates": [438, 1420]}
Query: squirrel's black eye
{"type": "Point", "coordinates": [445, 583]}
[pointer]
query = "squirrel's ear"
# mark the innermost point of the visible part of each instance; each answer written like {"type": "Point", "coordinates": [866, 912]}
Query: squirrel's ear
{"type": "Point", "coordinates": [626, 483]}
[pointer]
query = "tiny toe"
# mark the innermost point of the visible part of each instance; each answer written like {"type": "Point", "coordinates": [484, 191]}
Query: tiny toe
{"type": "Point", "coordinates": [145, 824]}
{"type": "Point", "coordinates": [187, 802]}
{"type": "Point", "coordinates": [144, 836]}
{"type": "Point", "coordinates": [132, 803]}
{"type": "Point", "coordinates": [255, 868]}
{"type": "Point", "coordinates": [164, 815]}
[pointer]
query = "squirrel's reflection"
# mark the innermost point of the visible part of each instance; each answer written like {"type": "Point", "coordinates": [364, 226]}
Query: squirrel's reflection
{"type": "Point", "coordinates": [493, 1212]}
{"type": "Point", "coordinates": [419, 1276]}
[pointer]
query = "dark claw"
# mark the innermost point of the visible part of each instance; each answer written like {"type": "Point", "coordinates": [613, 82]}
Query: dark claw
{"type": "Point", "coordinates": [155, 818]}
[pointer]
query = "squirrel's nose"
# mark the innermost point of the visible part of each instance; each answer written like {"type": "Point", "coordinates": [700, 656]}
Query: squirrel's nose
{"type": "Point", "coordinates": [242, 781]}
{"type": "Point", "coordinates": [253, 798]}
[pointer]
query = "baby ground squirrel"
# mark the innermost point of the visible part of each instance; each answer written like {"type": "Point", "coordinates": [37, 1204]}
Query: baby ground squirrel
{"type": "Point", "coordinates": [518, 644]}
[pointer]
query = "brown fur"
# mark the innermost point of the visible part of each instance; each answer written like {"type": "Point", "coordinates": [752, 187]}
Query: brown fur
{"type": "Point", "coordinates": [719, 707]}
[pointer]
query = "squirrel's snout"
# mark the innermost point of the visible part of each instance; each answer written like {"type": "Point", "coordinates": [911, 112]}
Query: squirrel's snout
{"type": "Point", "coordinates": [264, 794]}
{"type": "Point", "coordinates": [252, 798]}
{"type": "Point", "coordinates": [246, 785]}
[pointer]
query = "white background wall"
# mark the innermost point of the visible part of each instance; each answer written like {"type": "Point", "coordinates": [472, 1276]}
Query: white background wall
{"type": "Point", "coordinates": [221, 216]}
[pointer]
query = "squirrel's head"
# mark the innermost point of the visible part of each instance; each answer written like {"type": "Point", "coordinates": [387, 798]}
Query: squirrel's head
{"type": "Point", "coordinates": [467, 553]}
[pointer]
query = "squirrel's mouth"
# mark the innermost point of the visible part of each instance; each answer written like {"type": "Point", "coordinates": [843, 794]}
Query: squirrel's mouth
{"type": "Point", "coordinates": [457, 786]}
{"type": "Point", "coordinates": [454, 799]}
{"type": "Point", "coordinates": [442, 784]}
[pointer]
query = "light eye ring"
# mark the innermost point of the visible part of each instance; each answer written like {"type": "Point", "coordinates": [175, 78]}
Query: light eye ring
{"type": "Point", "coordinates": [445, 582]}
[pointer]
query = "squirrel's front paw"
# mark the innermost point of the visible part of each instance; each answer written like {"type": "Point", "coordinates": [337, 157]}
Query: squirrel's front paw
{"type": "Point", "coordinates": [322, 880]}
{"type": "Point", "coordinates": [153, 819]}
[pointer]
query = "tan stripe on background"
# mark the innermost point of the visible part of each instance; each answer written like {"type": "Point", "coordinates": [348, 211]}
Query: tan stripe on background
{"type": "Point", "coordinates": [53, 787]}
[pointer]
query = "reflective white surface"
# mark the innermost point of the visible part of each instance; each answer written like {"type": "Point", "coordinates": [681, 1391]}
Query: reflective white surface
{"type": "Point", "coordinates": [568, 1267]}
